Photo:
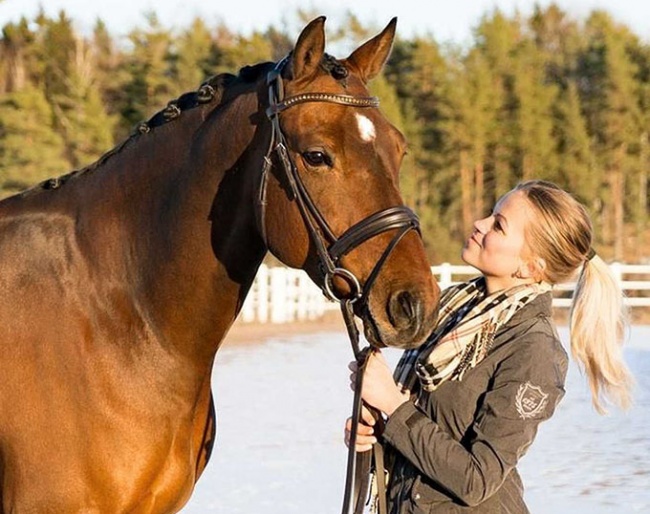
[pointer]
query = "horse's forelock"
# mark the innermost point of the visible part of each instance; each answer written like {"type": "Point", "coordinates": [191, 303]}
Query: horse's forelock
{"type": "Point", "coordinates": [329, 64]}
{"type": "Point", "coordinates": [334, 67]}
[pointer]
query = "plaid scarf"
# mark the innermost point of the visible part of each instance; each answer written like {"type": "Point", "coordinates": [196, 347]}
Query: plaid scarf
{"type": "Point", "coordinates": [467, 323]}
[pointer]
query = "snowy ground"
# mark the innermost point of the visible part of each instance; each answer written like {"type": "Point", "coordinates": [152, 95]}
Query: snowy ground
{"type": "Point", "coordinates": [281, 407]}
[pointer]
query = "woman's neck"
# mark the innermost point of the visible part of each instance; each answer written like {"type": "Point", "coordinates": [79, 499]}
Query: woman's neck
{"type": "Point", "coordinates": [495, 284]}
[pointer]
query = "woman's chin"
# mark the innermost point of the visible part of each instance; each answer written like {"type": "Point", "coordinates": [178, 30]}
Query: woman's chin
{"type": "Point", "coordinates": [466, 255]}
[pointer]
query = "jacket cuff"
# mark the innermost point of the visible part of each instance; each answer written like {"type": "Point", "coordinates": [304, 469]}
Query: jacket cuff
{"type": "Point", "coordinates": [406, 417]}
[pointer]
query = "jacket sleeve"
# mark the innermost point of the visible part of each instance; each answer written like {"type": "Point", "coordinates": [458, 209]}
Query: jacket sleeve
{"type": "Point", "coordinates": [525, 390]}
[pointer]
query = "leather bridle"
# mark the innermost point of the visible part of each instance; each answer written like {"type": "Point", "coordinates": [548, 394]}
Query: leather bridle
{"type": "Point", "coordinates": [330, 250]}
{"type": "Point", "coordinates": [329, 247]}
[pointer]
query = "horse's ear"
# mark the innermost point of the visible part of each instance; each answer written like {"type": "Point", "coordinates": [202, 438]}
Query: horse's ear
{"type": "Point", "coordinates": [309, 49]}
{"type": "Point", "coordinates": [369, 58]}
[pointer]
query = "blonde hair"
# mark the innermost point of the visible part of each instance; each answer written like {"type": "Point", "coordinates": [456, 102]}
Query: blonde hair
{"type": "Point", "coordinates": [562, 237]}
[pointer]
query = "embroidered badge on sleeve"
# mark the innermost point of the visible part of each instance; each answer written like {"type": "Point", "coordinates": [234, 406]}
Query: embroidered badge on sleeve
{"type": "Point", "coordinates": [530, 400]}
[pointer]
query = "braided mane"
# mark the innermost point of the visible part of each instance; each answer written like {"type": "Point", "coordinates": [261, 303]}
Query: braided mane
{"type": "Point", "coordinates": [219, 88]}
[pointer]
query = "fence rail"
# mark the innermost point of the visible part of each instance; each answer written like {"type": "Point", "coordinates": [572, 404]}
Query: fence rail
{"type": "Point", "coordinates": [284, 295]}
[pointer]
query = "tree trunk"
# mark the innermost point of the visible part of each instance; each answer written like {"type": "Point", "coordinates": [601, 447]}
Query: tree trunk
{"type": "Point", "coordinates": [479, 185]}
{"type": "Point", "coordinates": [642, 238]}
{"type": "Point", "coordinates": [466, 193]}
{"type": "Point", "coordinates": [617, 179]}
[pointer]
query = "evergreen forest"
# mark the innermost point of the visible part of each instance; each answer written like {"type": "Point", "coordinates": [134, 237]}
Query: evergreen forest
{"type": "Point", "coordinates": [538, 96]}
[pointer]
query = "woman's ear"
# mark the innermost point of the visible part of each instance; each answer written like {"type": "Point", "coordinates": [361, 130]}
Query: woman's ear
{"type": "Point", "coordinates": [532, 268]}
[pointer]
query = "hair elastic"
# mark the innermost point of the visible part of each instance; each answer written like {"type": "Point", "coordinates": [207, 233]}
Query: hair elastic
{"type": "Point", "coordinates": [591, 254]}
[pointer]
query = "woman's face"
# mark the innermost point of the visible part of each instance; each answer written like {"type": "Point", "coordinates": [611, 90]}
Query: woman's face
{"type": "Point", "coordinates": [497, 245]}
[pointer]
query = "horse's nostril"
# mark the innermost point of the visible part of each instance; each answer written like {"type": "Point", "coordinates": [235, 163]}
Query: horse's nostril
{"type": "Point", "coordinates": [404, 310]}
{"type": "Point", "coordinates": [405, 302]}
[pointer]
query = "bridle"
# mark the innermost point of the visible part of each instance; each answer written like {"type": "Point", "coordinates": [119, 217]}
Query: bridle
{"type": "Point", "coordinates": [331, 249]}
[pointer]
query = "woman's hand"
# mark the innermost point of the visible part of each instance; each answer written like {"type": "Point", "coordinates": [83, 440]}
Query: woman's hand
{"type": "Point", "coordinates": [365, 431]}
{"type": "Point", "coordinates": [379, 389]}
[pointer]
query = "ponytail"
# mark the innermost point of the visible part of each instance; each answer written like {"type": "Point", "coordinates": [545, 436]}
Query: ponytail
{"type": "Point", "coordinates": [562, 236]}
{"type": "Point", "coordinates": [598, 321]}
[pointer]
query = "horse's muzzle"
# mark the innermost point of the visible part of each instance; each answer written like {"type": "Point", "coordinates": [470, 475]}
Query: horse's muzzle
{"type": "Point", "coordinates": [405, 321]}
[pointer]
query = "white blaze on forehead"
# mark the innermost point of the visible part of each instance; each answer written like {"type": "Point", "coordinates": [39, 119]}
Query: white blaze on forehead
{"type": "Point", "coordinates": [366, 128]}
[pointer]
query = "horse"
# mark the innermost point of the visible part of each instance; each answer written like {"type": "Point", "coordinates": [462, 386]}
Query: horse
{"type": "Point", "coordinates": [119, 281]}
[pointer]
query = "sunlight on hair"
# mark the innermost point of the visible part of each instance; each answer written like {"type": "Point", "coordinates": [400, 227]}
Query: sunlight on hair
{"type": "Point", "coordinates": [597, 325]}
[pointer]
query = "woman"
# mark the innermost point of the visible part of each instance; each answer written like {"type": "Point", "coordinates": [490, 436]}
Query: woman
{"type": "Point", "coordinates": [465, 406]}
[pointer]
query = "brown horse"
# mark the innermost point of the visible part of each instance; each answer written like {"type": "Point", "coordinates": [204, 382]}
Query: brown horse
{"type": "Point", "coordinates": [119, 282]}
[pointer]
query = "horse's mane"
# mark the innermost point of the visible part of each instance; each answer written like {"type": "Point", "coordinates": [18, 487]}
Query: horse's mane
{"type": "Point", "coordinates": [220, 88]}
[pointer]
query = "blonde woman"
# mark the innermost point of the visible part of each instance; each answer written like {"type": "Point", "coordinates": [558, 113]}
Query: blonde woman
{"type": "Point", "coordinates": [464, 407]}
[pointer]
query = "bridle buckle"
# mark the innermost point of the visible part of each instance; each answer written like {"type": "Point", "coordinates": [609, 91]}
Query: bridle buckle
{"type": "Point", "coordinates": [348, 276]}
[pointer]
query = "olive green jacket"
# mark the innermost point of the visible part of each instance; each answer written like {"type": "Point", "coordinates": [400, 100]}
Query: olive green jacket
{"type": "Point", "coordinates": [455, 450]}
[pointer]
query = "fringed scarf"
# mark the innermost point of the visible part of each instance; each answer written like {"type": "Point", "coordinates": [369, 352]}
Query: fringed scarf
{"type": "Point", "coordinates": [467, 323]}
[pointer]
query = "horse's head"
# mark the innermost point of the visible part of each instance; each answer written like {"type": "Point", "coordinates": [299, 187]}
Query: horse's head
{"type": "Point", "coordinates": [329, 199]}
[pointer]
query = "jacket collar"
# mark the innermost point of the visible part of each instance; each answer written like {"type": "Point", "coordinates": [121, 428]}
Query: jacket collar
{"type": "Point", "coordinates": [540, 307]}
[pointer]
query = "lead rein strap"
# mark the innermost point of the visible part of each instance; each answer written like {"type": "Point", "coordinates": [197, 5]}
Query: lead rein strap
{"type": "Point", "coordinates": [350, 500]}
{"type": "Point", "coordinates": [380, 472]}
{"type": "Point", "coordinates": [356, 487]}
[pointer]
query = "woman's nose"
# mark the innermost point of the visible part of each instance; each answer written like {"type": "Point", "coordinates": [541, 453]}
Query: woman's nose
{"type": "Point", "coordinates": [482, 225]}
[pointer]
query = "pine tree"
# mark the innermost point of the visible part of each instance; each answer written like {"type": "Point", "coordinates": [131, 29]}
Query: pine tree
{"type": "Point", "coordinates": [497, 38]}
{"type": "Point", "coordinates": [639, 200]}
{"type": "Point", "coordinates": [559, 39]}
{"type": "Point", "coordinates": [192, 56]}
{"type": "Point", "coordinates": [533, 98]}
{"type": "Point", "coordinates": [614, 120]}
{"type": "Point", "coordinates": [30, 148]}
{"type": "Point", "coordinates": [248, 50]}
{"type": "Point", "coordinates": [418, 71]}
{"type": "Point", "coordinates": [560, 44]}
{"type": "Point", "coordinates": [280, 42]}
{"type": "Point", "coordinates": [108, 69]}
{"type": "Point", "coordinates": [14, 52]}
{"type": "Point", "coordinates": [471, 114]}
{"type": "Point", "coordinates": [149, 85]}
{"type": "Point", "coordinates": [57, 51]}
{"type": "Point", "coordinates": [80, 114]}
{"type": "Point", "coordinates": [577, 169]}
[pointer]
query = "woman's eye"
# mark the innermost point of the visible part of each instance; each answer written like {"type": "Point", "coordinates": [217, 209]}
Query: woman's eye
{"type": "Point", "coordinates": [497, 226]}
{"type": "Point", "coordinates": [317, 158]}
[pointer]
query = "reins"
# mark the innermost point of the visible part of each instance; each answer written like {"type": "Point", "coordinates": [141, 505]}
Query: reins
{"type": "Point", "coordinates": [330, 250]}
{"type": "Point", "coordinates": [360, 465]}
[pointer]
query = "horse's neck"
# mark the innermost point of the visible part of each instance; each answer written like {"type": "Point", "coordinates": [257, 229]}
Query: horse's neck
{"type": "Point", "coordinates": [196, 249]}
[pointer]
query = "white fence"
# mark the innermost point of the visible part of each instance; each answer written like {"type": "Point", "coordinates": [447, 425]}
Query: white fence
{"type": "Point", "coordinates": [283, 295]}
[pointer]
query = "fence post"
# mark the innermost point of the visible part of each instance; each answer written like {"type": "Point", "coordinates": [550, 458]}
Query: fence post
{"type": "Point", "coordinates": [247, 314]}
{"type": "Point", "coordinates": [262, 290]}
{"type": "Point", "coordinates": [302, 297]}
{"type": "Point", "coordinates": [617, 271]}
{"type": "Point", "coordinates": [445, 275]}
{"type": "Point", "coordinates": [278, 294]}
{"type": "Point", "coordinates": [317, 301]}
{"type": "Point", "coordinates": [293, 299]}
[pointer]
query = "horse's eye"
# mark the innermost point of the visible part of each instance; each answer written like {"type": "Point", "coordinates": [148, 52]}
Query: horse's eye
{"type": "Point", "coordinates": [317, 158]}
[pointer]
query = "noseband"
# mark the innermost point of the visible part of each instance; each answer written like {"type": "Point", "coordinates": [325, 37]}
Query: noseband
{"type": "Point", "coordinates": [330, 248]}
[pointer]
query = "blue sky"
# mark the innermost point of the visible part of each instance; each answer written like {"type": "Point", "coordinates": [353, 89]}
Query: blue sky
{"type": "Point", "coordinates": [446, 20]}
